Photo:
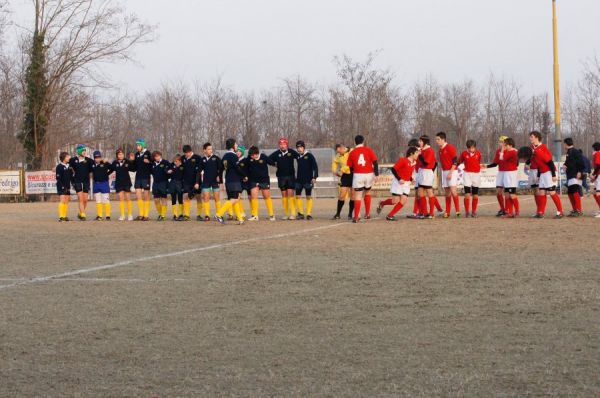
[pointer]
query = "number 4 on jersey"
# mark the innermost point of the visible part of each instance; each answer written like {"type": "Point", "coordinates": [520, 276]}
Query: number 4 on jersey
{"type": "Point", "coordinates": [361, 160]}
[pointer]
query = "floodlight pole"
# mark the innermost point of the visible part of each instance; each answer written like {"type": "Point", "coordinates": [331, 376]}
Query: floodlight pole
{"type": "Point", "coordinates": [557, 112]}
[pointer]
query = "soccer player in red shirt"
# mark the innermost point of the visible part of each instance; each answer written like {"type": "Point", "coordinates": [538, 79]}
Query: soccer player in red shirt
{"type": "Point", "coordinates": [362, 162]}
{"type": "Point", "coordinates": [500, 177]}
{"type": "Point", "coordinates": [449, 162]}
{"type": "Point", "coordinates": [547, 173]}
{"type": "Point", "coordinates": [471, 159]}
{"type": "Point", "coordinates": [425, 178]}
{"type": "Point", "coordinates": [596, 174]}
{"type": "Point", "coordinates": [403, 175]}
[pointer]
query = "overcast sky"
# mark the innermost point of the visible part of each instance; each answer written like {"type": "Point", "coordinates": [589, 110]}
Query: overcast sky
{"type": "Point", "coordinates": [253, 44]}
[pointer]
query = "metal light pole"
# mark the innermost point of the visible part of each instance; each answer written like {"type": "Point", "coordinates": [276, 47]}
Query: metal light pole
{"type": "Point", "coordinates": [557, 114]}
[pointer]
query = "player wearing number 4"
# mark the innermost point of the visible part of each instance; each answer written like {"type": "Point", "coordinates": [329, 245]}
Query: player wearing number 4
{"type": "Point", "coordinates": [403, 175]}
{"type": "Point", "coordinates": [362, 162]}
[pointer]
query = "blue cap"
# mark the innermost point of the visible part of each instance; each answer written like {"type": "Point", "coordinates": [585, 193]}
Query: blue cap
{"type": "Point", "coordinates": [97, 154]}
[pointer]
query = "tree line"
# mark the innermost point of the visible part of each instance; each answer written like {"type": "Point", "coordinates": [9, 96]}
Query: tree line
{"type": "Point", "coordinates": [50, 85]}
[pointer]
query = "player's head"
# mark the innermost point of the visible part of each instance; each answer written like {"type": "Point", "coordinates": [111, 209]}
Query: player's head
{"type": "Point", "coordinates": [187, 150]}
{"type": "Point", "coordinates": [596, 146]}
{"type": "Point", "coordinates": [424, 140]}
{"type": "Point", "coordinates": [120, 154]}
{"type": "Point", "coordinates": [471, 145]}
{"type": "Point", "coordinates": [440, 138]}
{"type": "Point", "coordinates": [208, 149]}
{"type": "Point", "coordinates": [509, 142]}
{"type": "Point", "coordinates": [300, 147]}
{"type": "Point", "coordinates": [177, 160]}
{"type": "Point", "coordinates": [535, 137]}
{"type": "Point", "coordinates": [81, 150]}
{"type": "Point", "coordinates": [97, 156]}
{"type": "Point", "coordinates": [230, 144]}
{"type": "Point", "coordinates": [414, 142]}
{"type": "Point", "coordinates": [157, 156]}
{"type": "Point", "coordinates": [412, 153]}
{"type": "Point", "coordinates": [241, 151]}
{"type": "Point", "coordinates": [501, 140]}
{"type": "Point", "coordinates": [140, 145]}
{"type": "Point", "coordinates": [341, 149]}
{"type": "Point", "coordinates": [254, 152]}
{"type": "Point", "coordinates": [359, 140]}
{"type": "Point", "coordinates": [64, 157]}
{"type": "Point", "coordinates": [283, 144]}
{"type": "Point", "coordinates": [568, 142]}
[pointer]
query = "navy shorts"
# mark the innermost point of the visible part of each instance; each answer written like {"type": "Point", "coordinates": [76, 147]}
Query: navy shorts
{"type": "Point", "coordinates": [287, 182]}
{"type": "Point", "coordinates": [82, 187]}
{"type": "Point", "coordinates": [346, 181]}
{"type": "Point", "coordinates": [63, 192]}
{"type": "Point", "coordinates": [142, 183]}
{"type": "Point", "coordinates": [308, 187]}
{"type": "Point", "coordinates": [160, 189]}
{"type": "Point", "coordinates": [234, 190]}
{"type": "Point", "coordinates": [260, 185]}
{"type": "Point", "coordinates": [123, 188]}
{"type": "Point", "coordinates": [175, 187]}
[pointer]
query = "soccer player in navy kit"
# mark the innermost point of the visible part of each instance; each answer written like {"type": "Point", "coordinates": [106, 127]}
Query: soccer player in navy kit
{"type": "Point", "coordinates": [122, 167]}
{"type": "Point", "coordinates": [160, 184]}
{"type": "Point", "coordinates": [82, 169]}
{"type": "Point", "coordinates": [284, 159]}
{"type": "Point", "coordinates": [308, 172]}
{"type": "Point", "coordinates": [212, 178]}
{"type": "Point", "coordinates": [256, 167]}
{"type": "Point", "coordinates": [191, 182]}
{"type": "Point", "coordinates": [143, 169]}
{"type": "Point", "coordinates": [64, 174]}
{"type": "Point", "coordinates": [176, 187]}
{"type": "Point", "coordinates": [233, 183]}
{"type": "Point", "coordinates": [100, 171]}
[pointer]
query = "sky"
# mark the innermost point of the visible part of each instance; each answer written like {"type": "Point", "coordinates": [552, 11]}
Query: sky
{"type": "Point", "coordinates": [254, 44]}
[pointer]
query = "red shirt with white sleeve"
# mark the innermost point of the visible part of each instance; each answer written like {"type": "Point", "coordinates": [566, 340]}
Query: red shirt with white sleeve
{"type": "Point", "coordinates": [471, 160]}
{"type": "Point", "coordinates": [448, 157]}
{"type": "Point", "coordinates": [427, 158]}
{"type": "Point", "coordinates": [361, 160]}
{"type": "Point", "coordinates": [404, 168]}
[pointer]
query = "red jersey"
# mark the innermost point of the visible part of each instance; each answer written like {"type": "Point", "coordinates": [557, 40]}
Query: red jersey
{"type": "Point", "coordinates": [509, 161]}
{"type": "Point", "coordinates": [448, 157]}
{"type": "Point", "coordinates": [427, 158]}
{"type": "Point", "coordinates": [596, 160]}
{"type": "Point", "coordinates": [361, 160]}
{"type": "Point", "coordinates": [533, 164]}
{"type": "Point", "coordinates": [404, 168]}
{"type": "Point", "coordinates": [541, 156]}
{"type": "Point", "coordinates": [472, 161]}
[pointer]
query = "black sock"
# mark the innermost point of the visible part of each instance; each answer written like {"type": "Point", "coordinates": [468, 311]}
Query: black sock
{"type": "Point", "coordinates": [340, 206]}
{"type": "Point", "coordinates": [351, 209]}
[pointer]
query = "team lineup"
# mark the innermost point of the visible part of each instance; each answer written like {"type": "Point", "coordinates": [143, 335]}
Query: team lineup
{"type": "Point", "coordinates": [204, 178]}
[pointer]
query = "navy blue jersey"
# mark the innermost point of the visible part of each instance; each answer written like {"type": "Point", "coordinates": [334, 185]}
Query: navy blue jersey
{"type": "Point", "coordinates": [122, 169]}
{"type": "Point", "coordinates": [101, 171]}
{"type": "Point", "coordinates": [143, 170]}
{"type": "Point", "coordinates": [257, 170]}
{"type": "Point", "coordinates": [284, 161]}
{"type": "Point", "coordinates": [191, 169]}
{"type": "Point", "coordinates": [307, 168]}
{"type": "Point", "coordinates": [233, 173]}
{"type": "Point", "coordinates": [176, 172]}
{"type": "Point", "coordinates": [212, 170]}
{"type": "Point", "coordinates": [159, 171]}
{"type": "Point", "coordinates": [64, 174]}
{"type": "Point", "coordinates": [81, 169]}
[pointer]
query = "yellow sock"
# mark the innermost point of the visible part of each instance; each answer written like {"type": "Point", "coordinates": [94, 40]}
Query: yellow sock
{"type": "Point", "coordinates": [206, 208]}
{"type": "Point", "coordinates": [292, 205]}
{"type": "Point", "coordinates": [129, 208]}
{"type": "Point", "coordinates": [60, 210]}
{"type": "Point", "coordinates": [63, 209]}
{"type": "Point", "coordinates": [254, 208]}
{"type": "Point", "coordinates": [181, 209]}
{"type": "Point", "coordinates": [230, 210]}
{"type": "Point", "coordinates": [218, 206]}
{"type": "Point", "coordinates": [158, 208]}
{"type": "Point", "coordinates": [141, 207]}
{"type": "Point", "coordinates": [269, 203]}
{"type": "Point", "coordinates": [99, 209]}
{"type": "Point", "coordinates": [164, 210]}
{"type": "Point", "coordinates": [224, 209]}
{"type": "Point", "coordinates": [300, 205]}
{"type": "Point", "coordinates": [107, 209]}
{"type": "Point", "coordinates": [147, 208]}
{"type": "Point", "coordinates": [309, 206]}
{"type": "Point", "coordinates": [122, 208]}
{"type": "Point", "coordinates": [199, 207]}
{"type": "Point", "coordinates": [186, 208]}
{"type": "Point", "coordinates": [176, 210]}
{"type": "Point", "coordinates": [284, 203]}
{"type": "Point", "coordinates": [237, 208]}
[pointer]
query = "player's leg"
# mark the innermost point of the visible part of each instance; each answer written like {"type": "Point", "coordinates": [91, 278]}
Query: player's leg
{"type": "Point", "coordinates": [174, 205]}
{"type": "Point", "coordinates": [455, 197]}
{"type": "Point", "coordinates": [557, 202]}
{"type": "Point", "coordinates": [107, 207]}
{"type": "Point", "coordinates": [343, 194]}
{"type": "Point", "coordinates": [467, 201]}
{"type": "Point", "coordinates": [254, 204]}
{"type": "Point", "coordinates": [501, 202]}
{"type": "Point", "coordinates": [186, 206]}
{"type": "Point", "coordinates": [121, 195]}
{"type": "Point", "coordinates": [140, 202]}
{"type": "Point", "coordinates": [298, 199]}
{"type": "Point", "coordinates": [206, 192]}
{"type": "Point", "coordinates": [399, 202]}
{"type": "Point", "coordinates": [266, 194]}
{"type": "Point", "coordinates": [291, 201]}
{"type": "Point", "coordinates": [357, 198]}
{"type": "Point", "coordinates": [99, 207]}
{"type": "Point", "coordinates": [217, 198]}
{"type": "Point", "coordinates": [309, 201]}
{"type": "Point", "coordinates": [475, 193]}
{"type": "Point", "coordinates": [147, 202]}
{"type": "Point", "coordinates": [448, 196]}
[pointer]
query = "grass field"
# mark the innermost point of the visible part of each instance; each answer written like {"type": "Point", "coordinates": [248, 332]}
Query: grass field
{"type": "Point", "coordinates": [468, 307]}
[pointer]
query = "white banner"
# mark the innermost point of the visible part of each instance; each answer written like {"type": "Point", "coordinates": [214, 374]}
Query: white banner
{"type": "Point", "coordinates": [40, 182]}
{"type": "Point", "coordinates": [10, 183]}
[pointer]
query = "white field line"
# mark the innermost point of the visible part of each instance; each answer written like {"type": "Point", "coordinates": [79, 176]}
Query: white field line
{"type": "Point", "coordinates": [125, 263]}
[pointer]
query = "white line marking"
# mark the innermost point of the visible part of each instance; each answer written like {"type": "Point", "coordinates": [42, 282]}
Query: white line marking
{"type": "Point", "coordinates": [125, 263]}
{"type": "Point", "coordinates": [120, 280]}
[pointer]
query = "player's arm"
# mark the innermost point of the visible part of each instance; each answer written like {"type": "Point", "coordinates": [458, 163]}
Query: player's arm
{"type": "Point", "coordinates": [315, 166]}
{"type": "Point", "coordinates": [334, 167]}
{"type": "Point", "coordinates": [272, 159]}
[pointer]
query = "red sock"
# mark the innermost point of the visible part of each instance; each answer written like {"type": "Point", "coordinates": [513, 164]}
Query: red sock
{"type": "Point", "coordinates": [357, 209]}
{"type": "Point", "coordinates": [387, 202]}
{"type": "Point", "coordinates": [508, 205]}
{"type": "Point", "coordinates": [572, 200]}
{"type": "Point", "coordinates": [432, 205]}
{"type": "Point", "coordinates": [537, 201]}
{"type": "Point", "coordinates": [438, 206]}
{"type": "Point", "coordinates": [577, 199]}
{"type": "Point", "coordinates": [396, 209]}
{"type": "Point", "coordinates": [543, 199]}
{"type": "Point", "coordinates": [416, 205]}
{"type": "Point", "coordinates": [448, 204]}
{"type": "Point", "coordinates": [597, 197]}
{"type": "Point", "coordinates": [501, 201]}
{"type": "Point", "coordinates": [557, 202]}
{"type": "Point", "coordinates": [423, 205]}
{"type": "Point", "coordinates": [475, 203]}
{"type": "Point", "coordinates": [517, 205]}
{"type": "Point", "coordinates": [468, 204]}
{"type": "Point", "coordinates": [368, 205]}
{"type": "Point", "coordinates": [456, 203]}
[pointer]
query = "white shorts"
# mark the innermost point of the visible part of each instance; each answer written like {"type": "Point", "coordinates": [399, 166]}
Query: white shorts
{"type": "Point", "coordinates": [500, 179]}
{"type": "Point", "coordinates": [416, 179]}
{"type": "Point", "coordinates": [363, 181]}
{"type": "Point", "coordinates": [472, 180]}
{"type": "Point", "coordinates": [102, 198]}
{"type": "Point", "coordinates": [533, 177]}
{"type": "Point", "coordinates": [453, 180]}
{"type": "Point", "coordinates": [425, 178]}
{"type": "Point", "coordinates": [574, 181]}
{"type": "Point", "coordinates": [597, 185]}
{"type": "Point", "coordinates": [400, 188]}
{"type": "Point", "coordinates": [546, 181]}
{"type": "Point", "coordinates": [510, 179]}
